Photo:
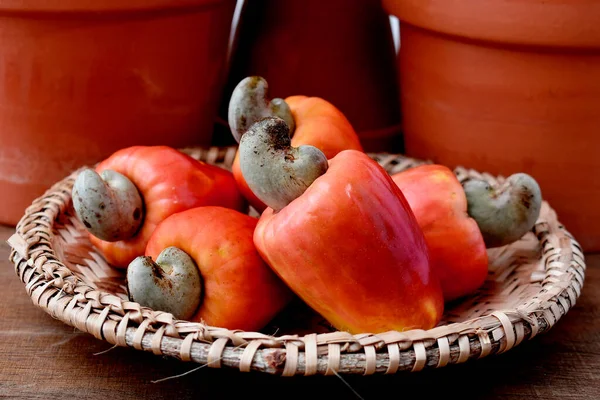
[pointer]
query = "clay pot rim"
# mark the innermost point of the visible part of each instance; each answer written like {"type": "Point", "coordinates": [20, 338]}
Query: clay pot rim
{"type": "Point", "coordinates": [564, 23]}
{"type": "Point", "coordinates": [101, 6]}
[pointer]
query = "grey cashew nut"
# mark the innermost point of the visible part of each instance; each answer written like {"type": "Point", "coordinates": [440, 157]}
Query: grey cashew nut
{"type": "Point", "coordinates": [249, 104]}
{"type": "Point", "coordinates": [506, 213]}
{"type": "Point", "coordinates": [276, 172]}
{"type": "Point", "coordinates": [108, 204]}
{"type": "Point", "coordinates": [171, 284]}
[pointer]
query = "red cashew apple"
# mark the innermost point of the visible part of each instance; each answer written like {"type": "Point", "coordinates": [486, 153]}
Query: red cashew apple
{"type": "Point", "coordinates": [201, 265]}
{"type": "Point", "coordinates": [460, 222]}
{"type": "Point", "coordinates": [128, 194]}
{"type": "Point", "coordinates": [456, 248]}
{"type": "Point", "coordinates": [340, 234]}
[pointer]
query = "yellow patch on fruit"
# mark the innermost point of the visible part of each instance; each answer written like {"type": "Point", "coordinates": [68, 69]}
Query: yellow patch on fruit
{"type": "Point", "coordinates": [223, 251]}
{"type": "Point", "coordinates": [430, 309]}
{"type": "Point", "coordinates": [440, 176]}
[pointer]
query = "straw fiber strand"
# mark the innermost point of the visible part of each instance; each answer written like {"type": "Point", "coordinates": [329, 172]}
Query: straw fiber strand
{"type": "Point", "coordinates": [531, 284]}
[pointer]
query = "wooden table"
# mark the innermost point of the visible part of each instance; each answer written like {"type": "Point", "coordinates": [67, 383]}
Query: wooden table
{"type": "Point", "coordinates": [43, 358]}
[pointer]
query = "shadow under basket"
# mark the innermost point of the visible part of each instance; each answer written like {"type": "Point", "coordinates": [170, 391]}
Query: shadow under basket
{"type": "Point", "coordinates": [531, 284]}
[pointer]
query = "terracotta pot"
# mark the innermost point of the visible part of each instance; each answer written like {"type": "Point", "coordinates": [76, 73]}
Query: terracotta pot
{"type": "Point", "coordinates": [506, 86]}
{"type": "Point", "coordinates": [80, 79]}
{"type": "Point", "coordinates": [339, 50]}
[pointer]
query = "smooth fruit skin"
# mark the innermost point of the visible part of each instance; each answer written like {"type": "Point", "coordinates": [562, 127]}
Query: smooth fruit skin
{"type": "Point", "coordinates": [169, 182]}
{"type": "Point", "coordinates": [318, 123]}
{"type": "Point", "coordinates": [240, 290]}
{"type": "Point", "coordinates": [351, 248]}
{"type": "Point", "coordinates": [457, 250]}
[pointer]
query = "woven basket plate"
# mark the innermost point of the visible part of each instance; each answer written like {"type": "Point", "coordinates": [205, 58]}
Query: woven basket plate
{"type": "Point", "coordinates": [531, 284]}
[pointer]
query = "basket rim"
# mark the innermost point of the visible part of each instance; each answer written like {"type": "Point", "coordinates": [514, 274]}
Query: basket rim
{"type": "Point", "coordinates": [59, 292]}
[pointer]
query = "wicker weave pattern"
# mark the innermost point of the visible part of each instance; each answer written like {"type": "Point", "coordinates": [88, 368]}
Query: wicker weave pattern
{"type": "Point", "coordinates": [531, 285]}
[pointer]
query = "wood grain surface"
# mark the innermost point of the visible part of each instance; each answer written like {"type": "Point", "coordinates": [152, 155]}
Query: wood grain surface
{"type": "Point", "coordinates": [41, 358]}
